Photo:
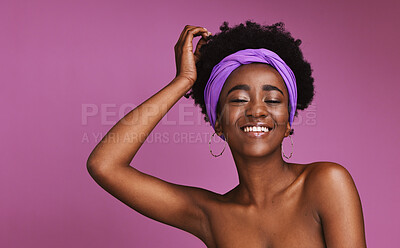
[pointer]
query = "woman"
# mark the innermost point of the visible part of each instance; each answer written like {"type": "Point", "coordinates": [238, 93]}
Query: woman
{"type": "Point", "coordinates": [249, 81]}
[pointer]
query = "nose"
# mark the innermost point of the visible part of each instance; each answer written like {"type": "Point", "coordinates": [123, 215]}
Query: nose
{"type": "Point", "coordinates": [256, 109]}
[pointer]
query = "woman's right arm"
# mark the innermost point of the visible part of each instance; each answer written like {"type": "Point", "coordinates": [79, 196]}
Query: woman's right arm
{"type": "Point", "coordinates": [109, 162]}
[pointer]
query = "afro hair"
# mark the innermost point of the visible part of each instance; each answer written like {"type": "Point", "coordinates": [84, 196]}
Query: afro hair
{"type": "Point", "coordinates": [253, 35]}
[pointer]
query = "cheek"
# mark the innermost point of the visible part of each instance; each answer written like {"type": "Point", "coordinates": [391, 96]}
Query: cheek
{"type": "Point", "coordinates": [280, 114]}
{"type": "Point", "coordinates": [229, 116]}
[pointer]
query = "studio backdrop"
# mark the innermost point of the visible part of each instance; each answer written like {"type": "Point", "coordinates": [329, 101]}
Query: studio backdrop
{"type": "Point", "coordinates": [70, 69]}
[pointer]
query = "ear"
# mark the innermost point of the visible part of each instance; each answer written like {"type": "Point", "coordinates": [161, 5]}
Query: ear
{"type": "Point", "coordinates": [288, 128]}
{"type": "Point", "coordinates": [218, 126]}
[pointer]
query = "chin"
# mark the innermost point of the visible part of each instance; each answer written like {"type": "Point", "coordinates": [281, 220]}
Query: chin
{"type": "Point", "coordinates": [256, 151]}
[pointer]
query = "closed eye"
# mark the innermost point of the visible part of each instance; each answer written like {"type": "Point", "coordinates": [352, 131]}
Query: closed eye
{"type": "Point", "coordinates": [241, 100]}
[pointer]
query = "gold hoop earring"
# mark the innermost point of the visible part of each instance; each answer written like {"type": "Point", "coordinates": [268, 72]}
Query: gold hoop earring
{"type": "Point", "coordinates": [209, 145]}
{"type": "Point", "coordinates": [291, 153]}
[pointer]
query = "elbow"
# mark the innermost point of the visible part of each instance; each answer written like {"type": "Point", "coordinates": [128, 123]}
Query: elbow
{"type": "Point", "coordinates": [94, 167]}
{"type": "Point", "coordinates": [99, 168]}
{"type": "Point", "coordinates": [95, 170]}
{"type": "Point", "coordinates": [95, 161]}
{"type": "Point", "coordinates": [91, 162]}
{"type": "Point", "coordinates": [91, 167]}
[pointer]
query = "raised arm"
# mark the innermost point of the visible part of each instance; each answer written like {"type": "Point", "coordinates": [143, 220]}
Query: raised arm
{"type": "Point", "coordinates": [109, 162]}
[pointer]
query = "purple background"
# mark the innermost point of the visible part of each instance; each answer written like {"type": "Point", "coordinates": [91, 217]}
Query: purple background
{"type": "Point", "coordinates": [71, 69]}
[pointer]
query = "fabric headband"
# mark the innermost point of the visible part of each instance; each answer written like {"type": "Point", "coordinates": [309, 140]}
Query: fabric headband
{"type": "Point", "coordinates": [223, 69]}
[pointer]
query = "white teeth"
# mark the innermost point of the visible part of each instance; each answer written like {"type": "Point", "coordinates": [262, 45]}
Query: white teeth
{"type": "Point", "coordinates": [255, 129]}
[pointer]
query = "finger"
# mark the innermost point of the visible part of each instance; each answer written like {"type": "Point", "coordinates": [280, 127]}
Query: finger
{"type": "Point", "coordinates": [183, 34]}
{"type": "Point", "coordinates": [201, 42]}
{"type": "Point", "coordinates": [206, 34]}
{"type": "Point", "coordinates": [190, 29]}
{"type": "Point", "coordinates": [188, 40]}
{"type": "Point", "coordinates": [184, 31]}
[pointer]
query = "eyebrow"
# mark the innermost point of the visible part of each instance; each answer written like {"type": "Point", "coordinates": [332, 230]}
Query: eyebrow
{"type": "Point", "coordinates": [265, 87]}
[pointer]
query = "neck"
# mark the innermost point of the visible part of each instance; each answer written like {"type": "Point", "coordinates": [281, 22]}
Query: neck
{"type": "Point", "coordinates": [261, 178]}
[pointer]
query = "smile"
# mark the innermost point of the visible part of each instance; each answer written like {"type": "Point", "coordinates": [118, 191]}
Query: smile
{"type": "Point", "coordinates": [256, 131]}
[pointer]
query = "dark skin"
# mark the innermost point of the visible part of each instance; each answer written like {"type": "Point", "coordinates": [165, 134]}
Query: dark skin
{"type": "Point", "coordinates": [275, 204]}
{"type": "Point", "coordinates": [261, 169]}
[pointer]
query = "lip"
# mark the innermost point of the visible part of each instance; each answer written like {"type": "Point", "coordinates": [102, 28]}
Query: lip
{"type": "Point", "coordinates": [257, 124]}
{"type": "Point", "coordinates": [256, 134]}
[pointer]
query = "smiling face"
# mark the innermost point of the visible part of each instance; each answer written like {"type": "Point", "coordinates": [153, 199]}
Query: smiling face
{"type": "Point", "coordinates": [254, 95]}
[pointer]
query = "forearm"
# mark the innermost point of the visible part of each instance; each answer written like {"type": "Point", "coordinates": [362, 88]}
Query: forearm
{"type": "Point", "coordinates": [121, 143]}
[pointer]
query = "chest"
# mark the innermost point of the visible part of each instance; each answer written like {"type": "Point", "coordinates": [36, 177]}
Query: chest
{"type": "Point", "coordinates": [283, 223]}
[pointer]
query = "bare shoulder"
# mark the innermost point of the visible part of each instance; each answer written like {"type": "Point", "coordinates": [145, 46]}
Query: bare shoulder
{"type": "Point", "coordinates": [324, 177]}
{"type": "Point", "coordinates": [332, 193]}
{"type": "Point", "coordinates": [320, 172]}
{"type": "Point", "coordinates": [326, 174]}
{"type": "Point", "coordinates": [328, 184]}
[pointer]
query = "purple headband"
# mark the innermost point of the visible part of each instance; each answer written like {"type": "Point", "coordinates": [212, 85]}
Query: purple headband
{"type": "Point", "coordinates": [223, 69]}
